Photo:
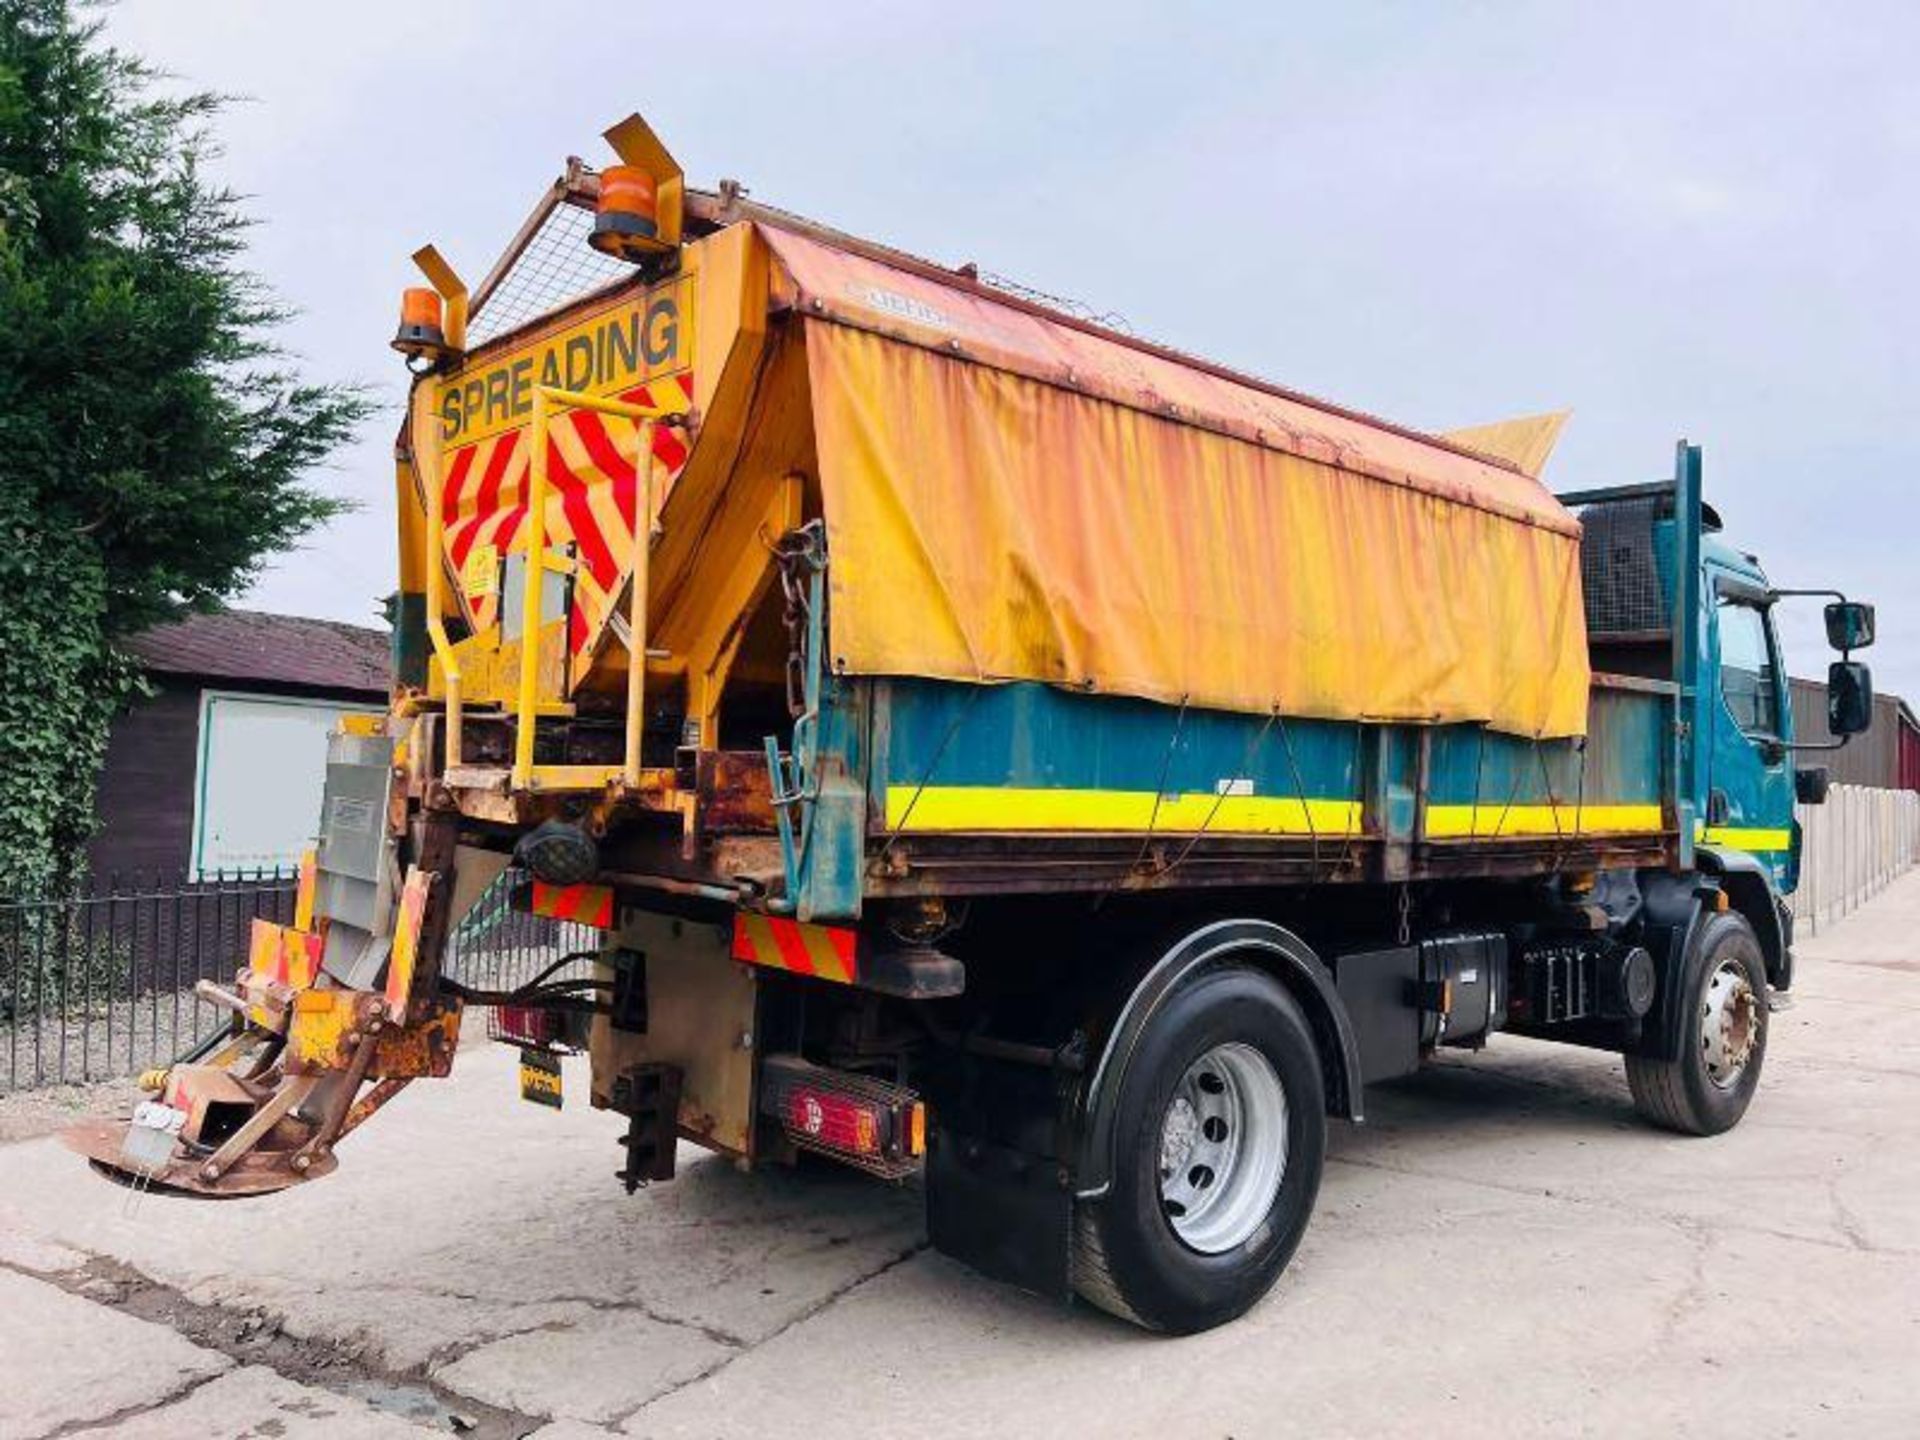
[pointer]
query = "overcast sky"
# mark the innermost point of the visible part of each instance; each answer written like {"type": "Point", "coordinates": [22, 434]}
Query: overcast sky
{"type": "Point", "coordinates": [1679, 220]}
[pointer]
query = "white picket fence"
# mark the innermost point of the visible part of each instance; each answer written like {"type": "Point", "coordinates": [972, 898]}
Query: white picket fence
{"type": "Point", "coordinates": [1851, 848]}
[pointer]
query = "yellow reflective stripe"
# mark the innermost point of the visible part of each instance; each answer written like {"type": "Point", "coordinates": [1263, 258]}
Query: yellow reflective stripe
{"type": "Point", "coordinates": [993, 807]}
{"type": "Point", "coordinates": [1752, 839]}
{"type": "Point", "coordinates": [997, 807]}
{"type": "Point", "coordinates": [1491, 820]}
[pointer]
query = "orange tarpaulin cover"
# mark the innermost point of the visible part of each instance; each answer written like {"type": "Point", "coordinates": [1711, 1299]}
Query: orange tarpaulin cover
{"type": "Point", "coordinates": [1527, 441]}
{"type": "Point", "coordinates": [992, 518]}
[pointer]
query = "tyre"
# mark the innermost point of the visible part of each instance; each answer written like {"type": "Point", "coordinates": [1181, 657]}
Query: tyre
{"type": "Point", "coordinates": [1219, 1140]}
{"type": "Point", "coordinates": [1723, 1039]}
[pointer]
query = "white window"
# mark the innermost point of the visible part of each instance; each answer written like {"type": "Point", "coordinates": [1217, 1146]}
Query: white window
{"type": "Point", "coordinates": [1746, 668]}
{"type": "Point", "coordinates": [262, 762]}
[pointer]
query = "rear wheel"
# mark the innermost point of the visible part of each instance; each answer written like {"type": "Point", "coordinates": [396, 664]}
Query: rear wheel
{"type": "Point", "coordinates": [1723, 1039]}
{"type": "Point", "coordinates": [1219, 1140]}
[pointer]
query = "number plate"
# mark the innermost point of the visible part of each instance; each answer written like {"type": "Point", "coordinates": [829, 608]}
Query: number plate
{"type": "Point", "coordinates": [540, 1077]}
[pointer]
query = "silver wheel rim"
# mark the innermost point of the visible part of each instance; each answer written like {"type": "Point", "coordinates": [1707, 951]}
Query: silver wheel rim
{"type": "Point", "coordinates": [1729, 1024]}
{"type": "Point", "coordinates": [1223, 1148]}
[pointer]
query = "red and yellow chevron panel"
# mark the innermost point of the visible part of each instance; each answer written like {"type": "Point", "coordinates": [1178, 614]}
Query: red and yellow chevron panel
{"type": "Point", "coordinates": [591, 472]}
{"type": "Point", "coordinates": [283, 954]}
{"type": "Point", "coordinates": [308, 885]}
{"type": "Point", "coordinates": [401, 960]}
{"type": "Point", "coordinates": [583, 904]}
{"type": "Point", "coordinates": [823, 951]}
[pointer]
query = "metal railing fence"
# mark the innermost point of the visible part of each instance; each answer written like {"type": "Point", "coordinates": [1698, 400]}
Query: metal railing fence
{"type": "Point", "coordinates": [99, 984]}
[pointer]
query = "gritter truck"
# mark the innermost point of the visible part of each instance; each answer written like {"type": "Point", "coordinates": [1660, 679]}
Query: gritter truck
{"type": "Point", "coordinates": [997, 752]}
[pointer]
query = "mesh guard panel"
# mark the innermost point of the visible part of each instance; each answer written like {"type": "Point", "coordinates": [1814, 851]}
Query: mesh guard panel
{"type": "Point", "coordinates": [1619, 573]}
{"type": "Point", "coordinates": [557, 266]}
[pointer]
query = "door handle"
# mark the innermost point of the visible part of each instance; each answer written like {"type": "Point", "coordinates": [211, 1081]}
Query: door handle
{"type": "Point", "coordinates": [1717, 807]}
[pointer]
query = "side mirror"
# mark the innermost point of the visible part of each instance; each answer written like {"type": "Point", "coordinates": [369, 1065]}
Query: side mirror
{"type": "Point", "coordinates": [1810, 784]}
{"type": "Point", "coordinates": [1849, 698]}
{"type": "Point", "coordinates": [1849, 625]}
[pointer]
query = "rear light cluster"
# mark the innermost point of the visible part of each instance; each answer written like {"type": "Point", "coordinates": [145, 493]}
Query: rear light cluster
{"type": "Point", "coordinates": [530, 1026]}
{"type": "Point", "coordinates": [871, 1124]}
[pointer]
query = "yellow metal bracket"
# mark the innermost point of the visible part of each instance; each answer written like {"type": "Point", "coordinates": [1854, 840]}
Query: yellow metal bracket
{"type": "Point", "coordinates": [453, 292]}
{"type": "Point", "coordinates": [635, 143]}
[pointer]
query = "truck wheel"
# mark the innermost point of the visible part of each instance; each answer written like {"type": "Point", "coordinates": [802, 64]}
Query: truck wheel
{"type": "Point", "coordinates": [1723, 1038]}
{"type": "Point", "coordinates": [1219, 1139]}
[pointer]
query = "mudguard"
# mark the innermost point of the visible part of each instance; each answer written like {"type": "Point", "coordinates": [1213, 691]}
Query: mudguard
{"type": "Point", "coordinates": [1749, 887]}
{"type": "Point", "coordinates": [1289, 958]}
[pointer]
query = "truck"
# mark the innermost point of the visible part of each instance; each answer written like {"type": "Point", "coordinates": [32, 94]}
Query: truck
{"type": "Point", "coordinates": [1000, 754]}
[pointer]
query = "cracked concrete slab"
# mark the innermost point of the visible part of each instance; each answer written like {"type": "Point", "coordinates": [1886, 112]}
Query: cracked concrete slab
{"type": "Point", "coordinates": [21, 1249]}
{"type": "Point", "coordinates": [439, 1327]}
{"type": "Point", "coordinates": [253, 1403]}
{"type": "Point", "coordinates": [1347, 1345]}
{"type": "Point", "coordinates": [599, 1369]}
{"type": "Point", "coordinates": [571, 1430]}
{"type": "Point", "coordinates": [464, 1207]}
{"type": "Point", "coordinates": [1503, 1247]}
{"type": "Point", "coordinates": [70, 1362]}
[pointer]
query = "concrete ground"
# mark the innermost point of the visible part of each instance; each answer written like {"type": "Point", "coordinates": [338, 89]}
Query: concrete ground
{"type": "Point", "coordinates": [1502, 1249]}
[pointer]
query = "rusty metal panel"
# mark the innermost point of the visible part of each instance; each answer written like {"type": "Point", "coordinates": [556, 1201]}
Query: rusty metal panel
{"type": "Point", "coordinates": [701, 1017]}
{"type": "Point", "coordinates": [326, 1027]}
{"type": "Point", "coordinates": [735, 792]}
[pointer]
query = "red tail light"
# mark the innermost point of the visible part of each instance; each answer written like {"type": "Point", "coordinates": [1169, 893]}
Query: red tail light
{"type": "Point", "coordinates": [869, 1123]}
{"type": "Point", "coordinates": [524, 1025]}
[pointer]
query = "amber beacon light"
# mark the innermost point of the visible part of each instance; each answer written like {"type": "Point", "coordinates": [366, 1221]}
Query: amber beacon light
{"type": "Point", "coordinates": [420, 336]}
{"type": "Point", "coordinates": [626, 221]}
{"type": "Point", "coordinates": [637, 216]}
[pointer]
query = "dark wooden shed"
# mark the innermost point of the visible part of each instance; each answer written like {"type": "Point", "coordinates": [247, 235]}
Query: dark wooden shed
{"type": "Point", "coordinates": [219, 770]}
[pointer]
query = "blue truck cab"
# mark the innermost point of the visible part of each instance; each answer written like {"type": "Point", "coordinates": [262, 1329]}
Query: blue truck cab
{"type": "Point", "coordinates": [1742, 723]}
{"type": "Point", "coordinates": [1670, 598]}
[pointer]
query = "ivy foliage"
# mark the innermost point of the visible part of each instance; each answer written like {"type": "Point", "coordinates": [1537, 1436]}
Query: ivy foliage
{"type": "Point", "coordinates": [154, 441]}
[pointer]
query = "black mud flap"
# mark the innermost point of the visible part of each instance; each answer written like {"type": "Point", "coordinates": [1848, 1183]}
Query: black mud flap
{"type": "Point", "coordinates": [1002, 1211]}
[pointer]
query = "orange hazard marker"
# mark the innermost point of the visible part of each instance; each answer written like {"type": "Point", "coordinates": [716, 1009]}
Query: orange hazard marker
{"type": "Point", "coordinates": [823, 951]}
{"type": "Point", "coordinates": [583, 904]}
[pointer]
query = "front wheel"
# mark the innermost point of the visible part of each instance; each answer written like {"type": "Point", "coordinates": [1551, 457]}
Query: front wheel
{"type": "Point", "coordinates": [1220, 1138]}
{"type": "Point", "coordinates": [1723, 1036]}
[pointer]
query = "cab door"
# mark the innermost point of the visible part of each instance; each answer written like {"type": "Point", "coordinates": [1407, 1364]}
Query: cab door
{"type": "Point", "coordinates": [1749, 780]}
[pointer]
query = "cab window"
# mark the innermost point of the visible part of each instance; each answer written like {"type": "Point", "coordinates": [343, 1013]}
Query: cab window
{"type": "Point", "coordinates": [1747, 676]}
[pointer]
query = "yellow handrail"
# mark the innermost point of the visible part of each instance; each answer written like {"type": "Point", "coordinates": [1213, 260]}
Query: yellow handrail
{"type": "Point", "coordinates": [533, 576]}
{"type": "Point", "coordinates": [452, 290]}
{"type": "Point", "coordinates": [637, 601]}
{"type": "Point", "coordinates": [545, 397]}
{"type": "Point", "coordinates": [433, 494]}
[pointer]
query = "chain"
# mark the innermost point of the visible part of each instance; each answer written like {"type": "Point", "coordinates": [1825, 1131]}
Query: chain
{"type": "Point", "coordinates": [798, 554]}
{"type": "Point", "coordinates": [1406, 904]}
